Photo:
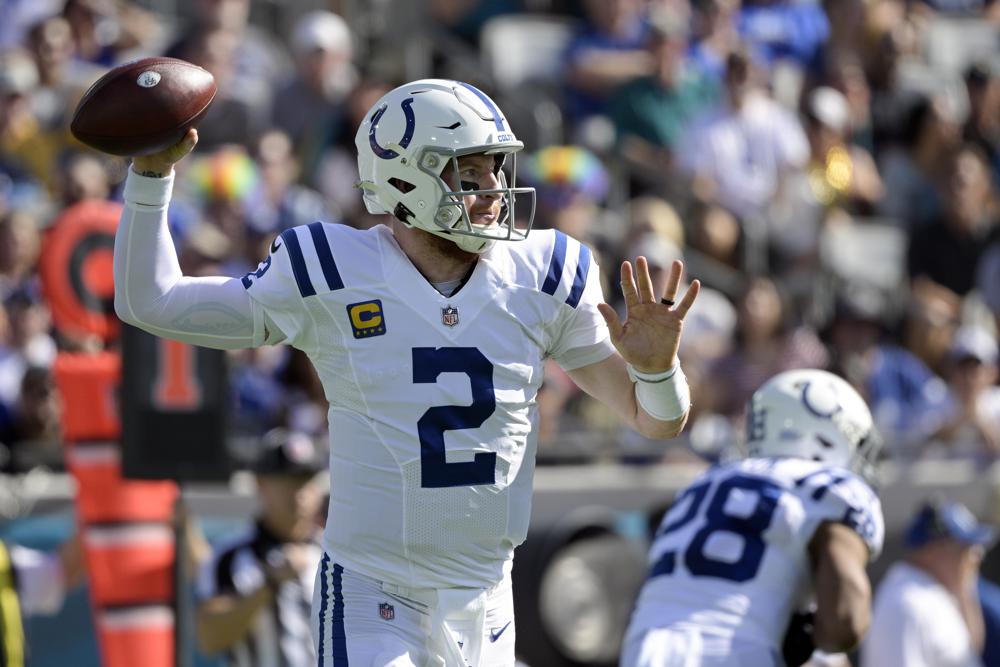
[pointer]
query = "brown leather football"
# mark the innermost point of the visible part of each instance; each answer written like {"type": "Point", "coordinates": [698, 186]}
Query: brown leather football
{"type": "Point", "coordinates": [143, 106]}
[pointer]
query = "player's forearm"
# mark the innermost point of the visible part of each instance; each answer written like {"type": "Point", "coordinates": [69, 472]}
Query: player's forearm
{"type": "Point", "coordinates": [663, 402]}
{"type": "Point", "coordinates": [843, 620]}
{"type": "Point", "coordinates": [225, 620]}
{"type": "Point", "coordinates": [843, 592]}
{"type": "Point", "coordinates": [152, 293]}
{"type": "Point", "coordinates": [608, 381]}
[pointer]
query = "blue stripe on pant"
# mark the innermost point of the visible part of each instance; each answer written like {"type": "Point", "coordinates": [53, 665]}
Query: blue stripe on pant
{"type": "Point", "coordinates": [338, 638]}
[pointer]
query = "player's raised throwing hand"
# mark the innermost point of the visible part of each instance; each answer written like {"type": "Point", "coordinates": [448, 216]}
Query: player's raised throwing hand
{"type": "Point", "coordinates": [160, 164]}
{"type": "Point", "coordinates": [649, 336]}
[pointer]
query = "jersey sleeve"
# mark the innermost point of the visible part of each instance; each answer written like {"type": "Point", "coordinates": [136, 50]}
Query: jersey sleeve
{"type": "Point", "coordinates": [280, 312]}
{"type": "Point", "coordinates": [578, 333]}
{"type": "Point", "coordinates": [840, 496]}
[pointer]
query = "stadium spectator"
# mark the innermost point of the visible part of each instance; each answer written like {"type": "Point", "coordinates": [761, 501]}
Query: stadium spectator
{"type": "Point", "coordinates": [281, 201]}
{"type": "Point", "coordinates": [908, 401]}
{"type": "Point", "coordinates": [910, 166]}
{"type": "Point", "coordinates": [17, 16]}
{"type": "Point", "coordinates": [20, 244]}
{"type": "Point", "coordinates": [30, 326]}
{"type": "Point", "coordinates": [31, 429]}
{"type": "Point", "coordinates": [947, 250]}
{"type": "Point", "coordinates": [842, 173]}
{"type": "Point", "coordinates": [23, 141]}
{"type": "Point", "coordinates": [240, 110]}
{"type": "Point", "coordinates": [260, 60]}
{"type": "Point", "coordinates": [973, 429]}
{"type": "Point", "coordinates": [650, 112]}
{"type": "Point", "coordinates": [766, 341]}
{"type": "Point", "coordinates": [932, 315]}
{"type": "Point", "coordinates": [716, 234]}
{"type": "Point", "coordinates": [840, 180]}
{"type": "Point", "coordinates": [465, 18]}
{"type": "Point", "coordinates": [308, 107]}
{"type": "Point", "coordinates": [571, 185]}
{"type": "Point", "coordinates": [255, 591]}
{"type": "Point", "coordinates": [982, 83]}
{"type": "Point", "coordinates": [223, 185]}
{"type": "Point", "coordinates": [927, 608]}
{"type": "Point", "coordinates": [846, 73]}
{"type": "Point", "coordinates": [62, 79]}
{"type": "Point", "coordinates": [988, 278]}
{"type": "Point", "coordinates": [740, 154]}
{"type": "Point", "coordinates": [785, 30]}
{"type": "Point", "coordinates": [714, 36]}
{"type": "Point", "coordinates": [108, 32]}
{"type": "Point", "coordinates": [607, 52]}
{"type": "Point", "coordinates": [83, 176]}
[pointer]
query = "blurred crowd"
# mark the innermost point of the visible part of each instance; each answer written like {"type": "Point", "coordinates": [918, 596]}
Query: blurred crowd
{"type": "Point", "coordinates": [829, 169]}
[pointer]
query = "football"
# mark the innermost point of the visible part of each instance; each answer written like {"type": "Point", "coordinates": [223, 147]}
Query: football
{"type": "Point", "coordinates": [143, 106]}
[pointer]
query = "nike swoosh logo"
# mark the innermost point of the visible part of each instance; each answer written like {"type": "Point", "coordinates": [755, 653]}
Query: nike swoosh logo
{"type": "Point", "coordinates": [275, 245]}
{"type": "Point", "coordinates": [495, 634]}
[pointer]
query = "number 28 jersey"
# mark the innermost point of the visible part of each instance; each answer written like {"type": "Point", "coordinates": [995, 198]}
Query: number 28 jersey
{"type": "Point", "coordinates": [730, 559]}
{"type": "Point", "coordinates": [432, 399]}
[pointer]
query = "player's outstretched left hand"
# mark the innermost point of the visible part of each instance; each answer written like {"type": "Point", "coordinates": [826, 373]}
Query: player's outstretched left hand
{"type": "Point", "coordinates": [651, 333]}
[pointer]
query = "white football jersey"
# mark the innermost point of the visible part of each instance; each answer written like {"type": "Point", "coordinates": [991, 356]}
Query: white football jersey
{"type": "Point", "coordinates": [730, 559]}
{"type": "Point", "coordinates": [432, 398]}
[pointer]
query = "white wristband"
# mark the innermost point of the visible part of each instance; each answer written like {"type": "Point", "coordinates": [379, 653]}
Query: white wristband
{"type": "Point", "coordinates": [147, 190]}
{"type": "Point", "coordinates": [664, 396]}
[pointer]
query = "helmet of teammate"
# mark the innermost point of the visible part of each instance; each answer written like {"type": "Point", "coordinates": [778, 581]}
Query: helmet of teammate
{"type": "Point", "coordinates": [812, 414]}
{"type": "Point", "coordinates": [419, 130]}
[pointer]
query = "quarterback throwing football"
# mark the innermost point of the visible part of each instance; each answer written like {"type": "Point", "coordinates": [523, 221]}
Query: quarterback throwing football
{"type": "Point", "coordinates": [753, 543]}
{"type": "Point", "coordinates": [429, 336]}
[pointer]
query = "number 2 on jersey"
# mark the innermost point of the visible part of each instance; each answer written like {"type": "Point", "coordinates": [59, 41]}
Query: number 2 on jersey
{"type": "Point", "coordinates": [435, 471]}
{"type": "Point", "coordinates": [750, 526]}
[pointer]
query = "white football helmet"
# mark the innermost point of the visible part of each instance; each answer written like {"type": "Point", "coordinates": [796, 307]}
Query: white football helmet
{"type": "Point", "coordinates": [812, 414]}
{"type": "Point", "coordinates": [417, 131]}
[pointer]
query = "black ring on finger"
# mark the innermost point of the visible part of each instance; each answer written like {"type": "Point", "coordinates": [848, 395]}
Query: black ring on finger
{"type": "Point", "coordinates": [667, 302]}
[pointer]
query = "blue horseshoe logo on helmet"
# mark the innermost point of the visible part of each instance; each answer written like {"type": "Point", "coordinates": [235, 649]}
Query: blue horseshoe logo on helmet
{"type": "Point", "coordinates": [816, 410]}
{"type": "Point", "coordinates": [411, 124]}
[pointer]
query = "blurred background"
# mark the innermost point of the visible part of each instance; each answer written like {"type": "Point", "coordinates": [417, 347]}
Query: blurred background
{"type": "Point", "coordinates": [828, 169]}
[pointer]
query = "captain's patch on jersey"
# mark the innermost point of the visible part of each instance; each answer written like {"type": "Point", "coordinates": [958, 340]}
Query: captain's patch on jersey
{"type": "Point", "coordinates": [367, 319]}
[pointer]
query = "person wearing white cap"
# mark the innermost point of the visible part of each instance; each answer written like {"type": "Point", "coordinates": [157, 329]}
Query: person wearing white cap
{"type": "Point", "coordinates": [847, 171]}
{"type": "Point", "coordinates": [308, 106]}
{"type": "Point", "coordinates": [974, 428]}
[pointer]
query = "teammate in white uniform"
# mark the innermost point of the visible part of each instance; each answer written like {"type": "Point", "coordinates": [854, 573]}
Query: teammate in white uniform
{"type": "Point", "coordinates": [430, 339]}
{"type": "Point", "coordinates": [752, 542]}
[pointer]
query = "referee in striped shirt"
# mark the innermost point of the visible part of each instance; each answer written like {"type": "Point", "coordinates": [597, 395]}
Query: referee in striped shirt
{"type": "Point", "coordinates": [254, 594]}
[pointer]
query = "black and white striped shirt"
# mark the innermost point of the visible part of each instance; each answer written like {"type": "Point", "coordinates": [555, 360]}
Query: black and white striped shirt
{"type": "Point", "coordinates": [280, 635]}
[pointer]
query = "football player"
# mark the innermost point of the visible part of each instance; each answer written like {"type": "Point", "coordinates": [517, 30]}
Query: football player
{"type": "Point", "coordinates": [762, 560]}
{"type": "Point", "coordinates": [429, 334]}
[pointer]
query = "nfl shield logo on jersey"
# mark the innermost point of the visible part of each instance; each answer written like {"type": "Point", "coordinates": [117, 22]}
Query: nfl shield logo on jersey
{"type": "Point", "coordinates": [386, 611]}
{"type": "Point", "coordinates": [449, 316]}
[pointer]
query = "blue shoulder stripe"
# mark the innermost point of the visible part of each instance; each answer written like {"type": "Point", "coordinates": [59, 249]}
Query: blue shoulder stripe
{"type": "Point", "coordinates": [326, 261]}
{"type": "Point", "coordinates": [322, 606]}
{"type": "Point", "coordinates": [298, 263]}
{"type": "Point", "coordinates": [580, 279]}
{"type": "Point", "coordinates": [338, 634]}
{"type": "Point", "coordinates": [556, 265]}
